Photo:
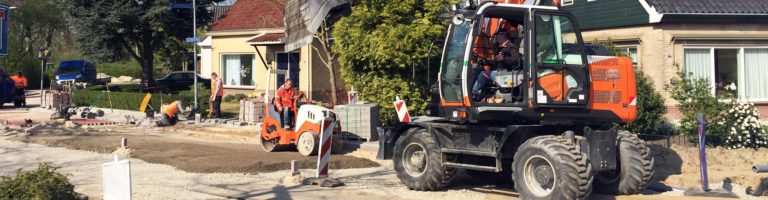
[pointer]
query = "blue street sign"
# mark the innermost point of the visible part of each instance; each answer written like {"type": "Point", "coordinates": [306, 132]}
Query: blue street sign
{"type": "Point", "coordinates": [181, 6]}
{"type": "Point", "coordinates": [193, 40]}
{"type": "Point", "coordinates": [5, 15]}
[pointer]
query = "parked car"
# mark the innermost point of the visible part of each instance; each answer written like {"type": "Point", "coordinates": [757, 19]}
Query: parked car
{"type": "Point", "coordinates": [77, 71]}
{"type": "Point", "coordinates": [181, 80]}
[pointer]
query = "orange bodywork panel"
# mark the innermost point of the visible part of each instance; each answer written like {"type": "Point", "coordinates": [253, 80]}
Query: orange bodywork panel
{"type": "Point", "coordinates": [614, 87]}
{"type": "Point", "coordinates": [553, 85]}
{"type": "Point", "coordinates": [466, 102]}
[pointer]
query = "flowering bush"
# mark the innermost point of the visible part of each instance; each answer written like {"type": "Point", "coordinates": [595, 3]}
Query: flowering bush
{"type": "Point", "coordinates": [742, 124]}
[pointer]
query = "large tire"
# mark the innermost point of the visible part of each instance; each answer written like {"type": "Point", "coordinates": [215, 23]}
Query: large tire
{"type": "Point", "coordinates": [553, 168]}
{"type": "Point", "coordinates": [419, 162]}
{"type": "Point", "coordinates": [634, 169]}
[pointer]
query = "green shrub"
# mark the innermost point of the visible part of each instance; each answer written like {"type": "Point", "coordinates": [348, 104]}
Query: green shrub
{"type": "Point", "coordinates": [116, 69]}
{"type": "Point", "coordinates": [42, 183]}
{"type": "Point", "coordinates": [234, 98]}
{"type": "Point", "coordinates": [693, 96]}
{"type": "Point", "coordinates": [132, 100]}
{"type": "Point", "coordinates": [650, 108]}
{"type": "Point", "coordinates": [117, 88]}
{"type": "Point", "coordinates": [742, 121]}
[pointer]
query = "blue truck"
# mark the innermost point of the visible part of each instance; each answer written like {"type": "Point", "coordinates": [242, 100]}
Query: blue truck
{"type": "Point", "coordinates": [6, 88]}
{"type": "Point", "coordinates": [77, 71]}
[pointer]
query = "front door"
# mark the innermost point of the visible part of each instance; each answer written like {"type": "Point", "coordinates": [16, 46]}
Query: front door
{"type": "Point", "coordinates": [560, 77]}
{"type": "Point", "coordinates": [287, 67]}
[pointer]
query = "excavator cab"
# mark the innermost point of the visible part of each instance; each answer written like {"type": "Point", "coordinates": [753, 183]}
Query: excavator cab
{"type": "Point", "coordinates": [553, 72]}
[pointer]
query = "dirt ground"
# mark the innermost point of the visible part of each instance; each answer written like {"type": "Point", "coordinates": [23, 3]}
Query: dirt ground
{"type": "Point", "coordinates": [679, 166]}
{"type": "Point", "coordinates": [195, 156]}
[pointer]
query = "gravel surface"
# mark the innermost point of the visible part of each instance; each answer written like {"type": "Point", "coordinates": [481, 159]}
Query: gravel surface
{"type": "Point", "coordinates": [156, 181]}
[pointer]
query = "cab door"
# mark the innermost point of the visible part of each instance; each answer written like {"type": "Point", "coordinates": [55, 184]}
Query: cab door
{"type": "Point", "coordinates": [560, 75]}
{"type": "Point", "coordinates": [453, 65]}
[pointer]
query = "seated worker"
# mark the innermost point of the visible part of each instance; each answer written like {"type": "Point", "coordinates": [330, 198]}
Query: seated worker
{"type": "Point", "coordinates": [284, 102]}
{"type": "Point", "coordinates": [507, 57]}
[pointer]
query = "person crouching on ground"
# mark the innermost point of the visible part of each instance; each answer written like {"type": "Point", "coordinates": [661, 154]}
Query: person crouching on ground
{"type": "Point", "coordinates": [170, 113]}
{"type": "Point", "coordinates": [21, 85]}
{"type": "Point", "coordinates": [217, 91]}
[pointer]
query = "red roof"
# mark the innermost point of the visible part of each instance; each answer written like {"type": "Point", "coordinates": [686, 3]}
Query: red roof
{"type": "Point", "coordinates": [250, 15]}
{"type": "Point", "coordinates": [269, 38]}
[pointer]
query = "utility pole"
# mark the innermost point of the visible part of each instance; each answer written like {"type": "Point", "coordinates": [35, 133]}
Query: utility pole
{"type": "Point", "coordinates": [194, 40]}
{"type": "Point", "coordinates": [194, 47]}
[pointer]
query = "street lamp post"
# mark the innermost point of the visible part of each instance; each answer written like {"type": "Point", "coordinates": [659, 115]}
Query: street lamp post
{"type": "Point", "coordinates": [194, 40]}
{"type": "Point", "coordinates": [194, 47]}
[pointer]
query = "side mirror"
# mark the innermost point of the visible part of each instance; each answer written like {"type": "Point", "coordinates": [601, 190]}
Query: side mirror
{"type": "Point", "coordinates": [458, 19]}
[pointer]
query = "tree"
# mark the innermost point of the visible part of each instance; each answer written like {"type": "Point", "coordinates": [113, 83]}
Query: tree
{"type": "Point", "coordinates": [112, 31]}
{"type": "Point", "coordinates": [381, 47]}
{"type": "Point", "coordinates": [34, 24]}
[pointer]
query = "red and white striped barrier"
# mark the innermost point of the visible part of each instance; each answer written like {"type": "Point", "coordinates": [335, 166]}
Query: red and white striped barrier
{"type": "Point", "coordinates": [402, 110]}
{"type": "Point", "coordinates": [352, 97]}
{"type": "Point", "coordinates": [324, 155]}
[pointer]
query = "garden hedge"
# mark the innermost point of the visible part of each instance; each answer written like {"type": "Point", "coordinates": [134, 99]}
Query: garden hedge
{"type": "Point", "coordinates": [132, 100]}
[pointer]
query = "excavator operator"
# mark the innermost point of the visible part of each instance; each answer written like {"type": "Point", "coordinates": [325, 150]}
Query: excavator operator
{"type": "Point", "coordinates": [507, 56]}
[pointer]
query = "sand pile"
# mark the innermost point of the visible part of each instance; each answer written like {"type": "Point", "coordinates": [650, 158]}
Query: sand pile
{"type": "Point", "coordinates": [123, 152]}
{"type": "Point", "coordinates": [680, 166]}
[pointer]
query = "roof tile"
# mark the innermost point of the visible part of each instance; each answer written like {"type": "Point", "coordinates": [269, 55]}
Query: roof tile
{"type": "Point", "coordinates": [250, 15]}
{"type": "Point", "coordinates": [711, 6]}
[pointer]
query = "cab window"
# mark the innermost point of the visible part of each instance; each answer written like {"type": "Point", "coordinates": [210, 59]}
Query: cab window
{"type": "Point", "coordinates": [556, 41]}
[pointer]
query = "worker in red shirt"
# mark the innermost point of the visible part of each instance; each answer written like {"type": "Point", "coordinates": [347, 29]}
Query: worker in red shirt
{"type": "Point", "coordinates": [217, 91]}
{"type": "Point", "coordinates": [20, 81]}
{"type": "Point", "coordinates": [284, 102]}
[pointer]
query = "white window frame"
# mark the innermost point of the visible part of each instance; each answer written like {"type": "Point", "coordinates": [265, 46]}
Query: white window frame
{"type": "Point", "coordinates": [222, 65]}
{"type": "Point", "coordinates": [739, 69]}
{"type": "Point", "coordinates": [287, 72]}
{"type": "Point", "coordinates": [627, 47]}
{"type": "Point", "coordinates": [568, 2]}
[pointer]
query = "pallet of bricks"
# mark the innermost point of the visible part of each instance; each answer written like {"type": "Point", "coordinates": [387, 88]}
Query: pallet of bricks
{"type": "Point", "coordinates": [251, 111]}
{"type": "Point", "coordinates": [55, 99]}
{"type": "Point", "coordinates": [359, 121]}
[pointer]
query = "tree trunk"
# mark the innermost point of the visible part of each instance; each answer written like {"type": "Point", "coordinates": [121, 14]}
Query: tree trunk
{"type": "Point", "coordinates": [147, 71]}
{"type": "Point", "coordinates": [147, 58]}
{"type": "Point", "coordinates": [332, 72]}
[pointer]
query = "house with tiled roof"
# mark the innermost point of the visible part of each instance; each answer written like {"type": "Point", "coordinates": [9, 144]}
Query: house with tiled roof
{"type": "Point", "coordinates": [725, 41]}
{"type": "Point", "coordinates": [247, 39]}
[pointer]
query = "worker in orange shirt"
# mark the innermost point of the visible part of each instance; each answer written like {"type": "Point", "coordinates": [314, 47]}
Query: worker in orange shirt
{"type": "Point", "coordinates": [284, 102]}
{"type": "Point", "coordinates": [20, 81]}
{"type": "Point", "coordinates": [217, 91]}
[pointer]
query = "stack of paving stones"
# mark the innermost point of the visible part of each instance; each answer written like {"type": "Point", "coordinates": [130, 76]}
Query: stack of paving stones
{"type": "Point", "coordinates": [359, 121]}
{"type": "Point", "coordinates": [251, 111]}
{"type": "Point", "coordinates": [55, 99]}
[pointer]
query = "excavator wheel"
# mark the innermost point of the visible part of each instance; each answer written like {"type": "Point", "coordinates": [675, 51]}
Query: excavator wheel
{"type": "Point", "coordinates": [551, 168]}
{"type": "Point", "coordinates": [419, 162]}
{"type": "Point", "coordinates": [634, 169]}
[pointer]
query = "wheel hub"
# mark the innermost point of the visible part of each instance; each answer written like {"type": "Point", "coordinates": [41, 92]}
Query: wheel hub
{"type": "Point", "coordinates": [544, 175]}
{"type": "Point", "coordinates": [539, 176]}
{"type": "Point", "coordinates": [415, 159]}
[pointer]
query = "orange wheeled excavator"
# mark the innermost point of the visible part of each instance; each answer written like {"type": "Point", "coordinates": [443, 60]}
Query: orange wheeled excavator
{"type": "Point", "coordinates": [542, 121]}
